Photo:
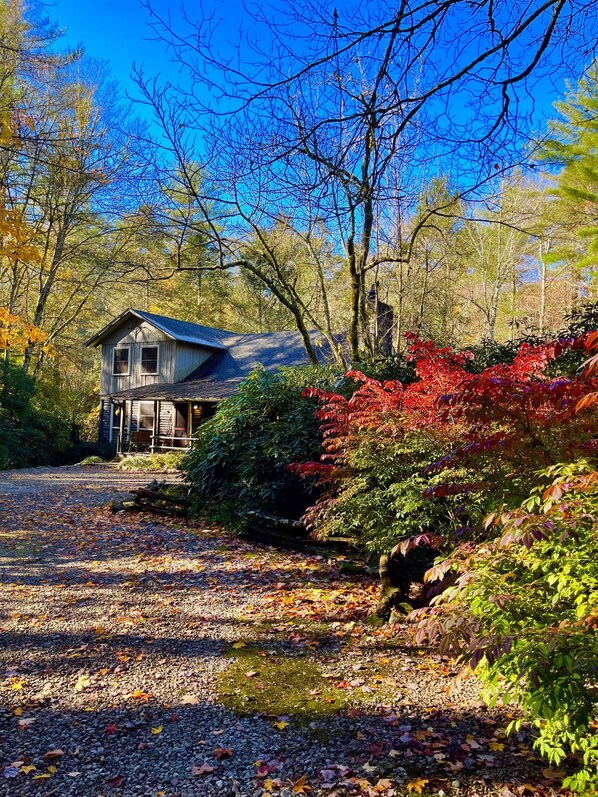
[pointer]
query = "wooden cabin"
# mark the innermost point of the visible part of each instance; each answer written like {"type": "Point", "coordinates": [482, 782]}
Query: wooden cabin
{"type": "Point", "coordinates": [162, 377]}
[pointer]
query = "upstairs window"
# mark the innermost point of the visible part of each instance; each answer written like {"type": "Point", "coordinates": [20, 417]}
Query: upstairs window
{"type": "Point", "coordinates": [149, 359]}
{"type": "Point", "coordinates": [120, 365]}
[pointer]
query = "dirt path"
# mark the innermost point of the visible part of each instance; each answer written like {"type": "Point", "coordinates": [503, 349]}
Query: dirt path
{"type": "Point", "coordinates": [141, 657]}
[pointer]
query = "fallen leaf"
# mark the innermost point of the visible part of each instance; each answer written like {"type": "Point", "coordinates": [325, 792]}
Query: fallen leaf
{"type": "Point", "coordinates": [27, 769]}
{"type": "Point", "coordinates": [116, 781]}
{"type": "Point", "coordinates": [139, 694]}
{"type": "Point", "coordinates": [189, 700]}
{"type": "Point", "coordinates": [54, 754]}
{"type": "Point", "coordinates": [223, 752]}
{"type": "Point", "coordinates": [204, 769]}
{"type": "Point", "coordinates": [301, 786]}
{"type": "Point", "coordinates": [417, 786]}
{"type": "Point", "coordinates": [40, 777]}
{"type": "Point", "coordinates": [280, 725]}
{"type": "Point", "coordinates": [238, 645]}
{"type": "Point", "coordinates": [82, 683]}
{"type": "Point", "coordinates": [157, 730]}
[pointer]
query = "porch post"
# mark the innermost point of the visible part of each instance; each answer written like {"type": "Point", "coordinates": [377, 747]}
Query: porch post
{"type": "Point", "coordinates": [156, 427]}
{"type": "Point", "coordinates": [129, 406]}
{"type": "Point", "coordinates": [121, 428]}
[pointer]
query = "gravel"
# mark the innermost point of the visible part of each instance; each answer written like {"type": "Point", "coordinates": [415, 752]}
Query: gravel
{"type": "Point", "coordinates": [116, 627]}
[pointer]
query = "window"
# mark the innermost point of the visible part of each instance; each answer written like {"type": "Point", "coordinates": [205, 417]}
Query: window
{"type": "Point", "coordinates": [149, 359]}
{"type": "Point", "coordinates": [146, 415]}
{"type": "Point", "coordinates": [120, 365]}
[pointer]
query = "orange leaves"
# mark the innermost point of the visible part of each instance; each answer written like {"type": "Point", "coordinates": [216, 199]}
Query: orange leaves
{"type": "Point", "coordinates": [301, 786]}
{"type": "Point", "coordinates": [16, 334]}
{"type": "Point", "coordinates": [223, 752]}
{"type": "Point", "coordinates": [139, 694]}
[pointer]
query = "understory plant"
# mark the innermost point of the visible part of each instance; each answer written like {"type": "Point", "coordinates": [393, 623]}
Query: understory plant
{"type": "Point", "coordinates": [238, 460]}
{"type": "Point", "coordinates": [524, 614]}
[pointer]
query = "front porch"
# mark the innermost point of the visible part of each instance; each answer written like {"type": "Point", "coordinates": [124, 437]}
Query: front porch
{"type": "Point", "coordinates": [152, 426]}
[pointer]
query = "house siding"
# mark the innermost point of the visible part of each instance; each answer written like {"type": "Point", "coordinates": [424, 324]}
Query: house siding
{"type": "Point", "coordinates": [187, 359]}
{"type": "Point", "coordinates": [104, 422]}
{"type": "Point", "coordinates": [175, 360]}
{"type": "Point", "coordinates": [113, 384]}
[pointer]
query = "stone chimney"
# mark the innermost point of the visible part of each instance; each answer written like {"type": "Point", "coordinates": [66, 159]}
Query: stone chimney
{"type": "Point", "coordinates": [381, 317]}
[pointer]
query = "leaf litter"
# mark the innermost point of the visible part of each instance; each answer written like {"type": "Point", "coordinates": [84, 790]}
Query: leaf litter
{"type": "Point", "coordinates": [123, 633]}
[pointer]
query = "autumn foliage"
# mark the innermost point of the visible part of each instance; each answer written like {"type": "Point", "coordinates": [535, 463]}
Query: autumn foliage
{"type": "Point", "coordinates": [451, 460]}
{"type": "Point", "coordinates": [16, 334]}
{"type": "Point", "coordinates": [435, 455]}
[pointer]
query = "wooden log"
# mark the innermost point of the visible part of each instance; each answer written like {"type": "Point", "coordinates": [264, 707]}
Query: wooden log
{"type": "Point", "coordinates": [156, 495]}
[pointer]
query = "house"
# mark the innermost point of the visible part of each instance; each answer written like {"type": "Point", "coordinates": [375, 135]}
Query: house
{"type": "Point", "coordinates": [162, 377]}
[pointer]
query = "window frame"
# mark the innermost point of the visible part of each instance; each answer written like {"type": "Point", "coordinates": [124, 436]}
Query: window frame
{"type": "Point", "coordinates": [128, 350]}
{"type": "Point", "coordinates": [149, 346]}
{"type": "Point", "coordinates": [141, 415]}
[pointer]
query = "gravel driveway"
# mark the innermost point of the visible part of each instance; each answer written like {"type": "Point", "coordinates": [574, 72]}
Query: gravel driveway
{"type": "Point", "coordinates": [118, 630]}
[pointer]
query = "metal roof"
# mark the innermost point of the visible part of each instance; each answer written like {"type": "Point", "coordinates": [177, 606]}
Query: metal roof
{"type": "Point", "coordinates": [224, 371]}
{"type": "Point", "coordinates": [185, 331]}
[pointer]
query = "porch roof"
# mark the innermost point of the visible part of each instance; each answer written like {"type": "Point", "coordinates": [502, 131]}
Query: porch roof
{"type": "Point", "coordinates": [197, 390]}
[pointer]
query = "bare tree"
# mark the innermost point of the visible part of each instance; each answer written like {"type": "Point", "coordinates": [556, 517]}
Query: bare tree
{"type": "Point", "coordinates": [335, 115]}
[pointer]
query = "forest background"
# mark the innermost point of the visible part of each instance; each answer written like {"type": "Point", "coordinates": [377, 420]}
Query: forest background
{"type": "Point", "coordinates": [271, 191]}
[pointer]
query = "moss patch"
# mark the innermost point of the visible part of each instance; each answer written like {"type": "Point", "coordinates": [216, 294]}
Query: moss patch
{"type": "Point", "coordinates": [278, 685]}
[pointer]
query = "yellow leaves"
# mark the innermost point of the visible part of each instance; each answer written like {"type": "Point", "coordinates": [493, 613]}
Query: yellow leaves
{"type": "Point", "coordinates": [16, 334]}
{"type": "Point", "coordinates": [239, 645]}
{"type": "Point", "coordinates": [18, 712]}
{"type": "Point", "coordinates": [417, 786]}
{"type": "Point", "coordinates": [27, 769]}
{"type": "Point", "coordinates": [48, 774]}
{"type": "Point", "coordinates": [281, 725]}
{"type": "Point", "coordinates": [301, 786]}
{"type": "Point", "coordinates": [157, 730]}
{"type": "Point", "coordinates": [496, 746]}
{"type": "Point", "coordinates": [5, 131]}
{"type": "Point", "coordinates": [16, 684]}
{"type": "Point", "coordinates": [139, 694]}
{"type": "Point", "coordinates": [83, 681]}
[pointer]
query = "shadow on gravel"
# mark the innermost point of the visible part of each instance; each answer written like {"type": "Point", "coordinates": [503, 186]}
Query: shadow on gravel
{"type": "Point", "coordinates": [152, 748]}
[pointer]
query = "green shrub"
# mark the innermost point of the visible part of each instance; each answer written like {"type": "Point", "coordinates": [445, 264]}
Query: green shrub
{"type": "Point", "coordinates": [239, 458]}
{"type": "Point", "coordinates": [524, 613]}
{"type": "Point", "coordinates": [170, 461]}
{"type": "Point", "coordinates": [31, 433]}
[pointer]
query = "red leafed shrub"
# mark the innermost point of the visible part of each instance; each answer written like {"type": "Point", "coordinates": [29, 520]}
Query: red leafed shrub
{"type": "Point", "coordinates": [433, 455]}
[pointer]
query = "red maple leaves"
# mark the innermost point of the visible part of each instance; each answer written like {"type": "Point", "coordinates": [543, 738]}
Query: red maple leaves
{"type": "Point", "coordinates": [510, 417]}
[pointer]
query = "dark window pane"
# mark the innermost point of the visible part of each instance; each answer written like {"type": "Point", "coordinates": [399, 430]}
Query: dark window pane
{"type": "Point", "coordinates": [149, 360]}
{"type": "Point", "coordinates": [121, 361]}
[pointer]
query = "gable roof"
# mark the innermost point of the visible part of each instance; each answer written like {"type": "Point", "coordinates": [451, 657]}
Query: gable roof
{"type": "Point", "coordinates": [184, 331]}
{"type": "Point", "coordinates": [224, 371]}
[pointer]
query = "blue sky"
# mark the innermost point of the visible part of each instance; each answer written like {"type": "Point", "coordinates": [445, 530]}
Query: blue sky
{"type": "Point", "coordinates": [117, 32]}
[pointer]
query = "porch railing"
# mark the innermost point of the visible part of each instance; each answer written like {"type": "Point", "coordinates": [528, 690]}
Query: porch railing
{"type": "Point", "coordinates": [157, 444]}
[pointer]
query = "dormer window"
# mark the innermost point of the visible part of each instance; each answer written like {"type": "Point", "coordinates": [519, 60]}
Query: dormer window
{"type": "Point", "coordinates": [149, 359]}
{"type": "Point", "coordinates": [120, 364]}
